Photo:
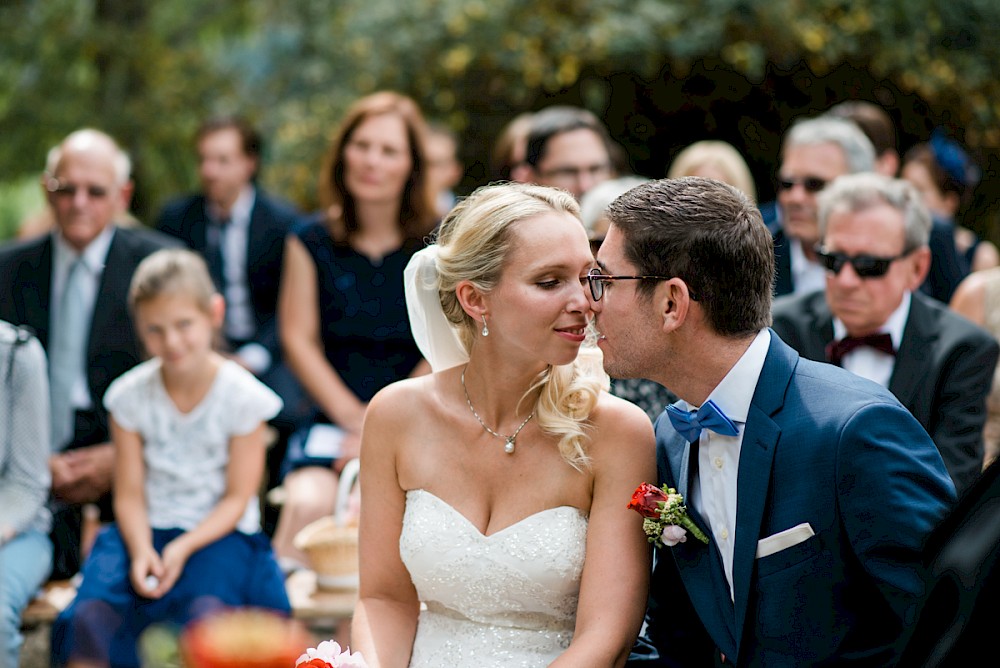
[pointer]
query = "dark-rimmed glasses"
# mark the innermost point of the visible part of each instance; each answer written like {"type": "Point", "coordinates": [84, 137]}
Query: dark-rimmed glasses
{"type": "Point", "coordinates": [865, 266]}
{"type": "Point", "coordinates": [811, 184]}
{"type": "Point", "coordinates": [60, 189]}
{"type": "Point", "coordinates": [597, 281]}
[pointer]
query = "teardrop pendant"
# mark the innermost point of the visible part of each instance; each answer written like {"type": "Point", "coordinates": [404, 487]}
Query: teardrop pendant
{"type": "Point", "coordinates": [508, 447]}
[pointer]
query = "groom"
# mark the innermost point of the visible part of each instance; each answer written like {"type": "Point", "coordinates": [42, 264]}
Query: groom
{"type": "Point", "coordinates": [815, 488]}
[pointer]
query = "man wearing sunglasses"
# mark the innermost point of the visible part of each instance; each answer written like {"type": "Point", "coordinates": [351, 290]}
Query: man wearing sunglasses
{"type": "Point", "coordinates": [70, 287]}
{"type": "Point", "coordinates": [815, 488]}
{"type": "Point", "coordinates": [814, 153]}
{"type": "Point", "coordinates": [872, 320]}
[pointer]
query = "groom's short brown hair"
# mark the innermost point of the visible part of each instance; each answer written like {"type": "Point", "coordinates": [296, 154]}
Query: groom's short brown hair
{"type": "Point", "coordinates": [711, 236]}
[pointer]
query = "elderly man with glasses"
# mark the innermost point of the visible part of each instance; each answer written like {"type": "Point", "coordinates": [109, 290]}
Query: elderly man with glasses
{"type": "Point", "coordinates": [872, 320]}
{"type": "Point", "coordinates": [70, 287]}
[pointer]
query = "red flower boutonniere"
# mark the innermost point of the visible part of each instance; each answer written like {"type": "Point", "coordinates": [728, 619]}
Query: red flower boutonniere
{"type": "Point", "coordinates": [665, 519]}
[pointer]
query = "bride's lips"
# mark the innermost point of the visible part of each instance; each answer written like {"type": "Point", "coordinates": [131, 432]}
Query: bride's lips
{"type": "Point", "coordinates": [575, 334]}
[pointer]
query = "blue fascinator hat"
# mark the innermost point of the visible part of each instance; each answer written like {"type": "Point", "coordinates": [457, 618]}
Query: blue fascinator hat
{"type": "Point", "coordinates": [954, 160]}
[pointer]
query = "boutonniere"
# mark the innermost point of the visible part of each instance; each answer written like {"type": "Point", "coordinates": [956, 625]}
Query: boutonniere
{"type": "Point", "coordinates": [665, 519]}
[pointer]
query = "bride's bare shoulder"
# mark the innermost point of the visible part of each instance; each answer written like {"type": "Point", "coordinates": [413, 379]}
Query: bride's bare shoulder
{"type": "Point", "coordinates": [620, 421]}
{"type": "Point", "coordinates": [410, 398]}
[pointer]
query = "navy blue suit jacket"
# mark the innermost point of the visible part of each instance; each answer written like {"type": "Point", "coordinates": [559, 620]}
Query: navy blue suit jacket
{"type": "Point", "coordinates": [824, 447]}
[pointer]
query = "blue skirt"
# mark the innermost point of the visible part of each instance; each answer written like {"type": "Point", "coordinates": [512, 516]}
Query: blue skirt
{"type": "Point", "coordinates": [104, 621]}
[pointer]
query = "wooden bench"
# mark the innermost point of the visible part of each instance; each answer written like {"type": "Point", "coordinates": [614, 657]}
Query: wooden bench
{"type": "Point", "coordinates": [312, 604]}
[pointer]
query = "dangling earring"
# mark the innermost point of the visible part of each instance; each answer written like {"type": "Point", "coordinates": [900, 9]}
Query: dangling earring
{"type": "Point", "coordinates": [486, 330]}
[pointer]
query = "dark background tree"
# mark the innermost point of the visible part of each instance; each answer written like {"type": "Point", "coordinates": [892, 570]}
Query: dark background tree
{"type": "Point", "coordinates": [662, 73]}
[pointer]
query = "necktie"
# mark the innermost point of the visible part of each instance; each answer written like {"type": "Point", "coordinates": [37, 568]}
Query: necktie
{"type": "Point", "coordinates": [709, 416]}
{"type": "Point", "coordinates": [214, 254]}
{"type": "Point", "coordinates": [836, 350]}
{"type": "Point", "coordinates": [67, 352]}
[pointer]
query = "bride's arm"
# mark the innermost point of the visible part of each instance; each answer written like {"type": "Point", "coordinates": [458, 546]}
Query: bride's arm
{"type": "Point", "coordinates": [385, 619]}
{"type": "Point", "coordinates": [616, 571]}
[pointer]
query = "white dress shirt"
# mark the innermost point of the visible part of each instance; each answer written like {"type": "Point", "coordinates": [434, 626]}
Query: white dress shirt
{"type": "Point", "coordinates": [807, 276]}
{"type": "Point", "coordinates": [713, 491]}
{"type": "Point", "coordinates": [94, 257]}
{"type": "Point", "coordinates": [240, 324]}
{"type": "Point", "coordinates": [869, 363]}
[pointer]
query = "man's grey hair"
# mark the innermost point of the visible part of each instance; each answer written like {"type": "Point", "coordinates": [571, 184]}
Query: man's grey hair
{"type": "Point", "coordinates": [84, 139]}
{"type": "Point", "coordinates": [854, 193]}
{"type": "Point", "coordinates": [858, 150]}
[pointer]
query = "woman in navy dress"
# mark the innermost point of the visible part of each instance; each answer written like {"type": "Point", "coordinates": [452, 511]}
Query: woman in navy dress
{"type": "Point", "coordinates": [342, 313]}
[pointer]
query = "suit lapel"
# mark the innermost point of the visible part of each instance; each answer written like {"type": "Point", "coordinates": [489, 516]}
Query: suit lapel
{"type": "Point", "coordinates": [112, 292]}
{"type": "Point", "coordinates": [760, 440]}
{"type": "Point", "coordinates": [819, 329]}
{"type": "Point", "coordinates": [699, 565]}
{"type": "Point", "coordinates": [913, 361]}
{"type": "Point", "coordinates": [37, 299]}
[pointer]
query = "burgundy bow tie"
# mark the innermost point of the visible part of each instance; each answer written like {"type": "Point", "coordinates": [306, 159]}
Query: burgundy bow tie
{"type": "Point", "coordinates": [836, 350]}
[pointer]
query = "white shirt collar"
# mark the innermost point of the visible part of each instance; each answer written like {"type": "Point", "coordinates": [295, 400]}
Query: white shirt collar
{"type": "Point", "coordinates": [735, 392]}
{"type": "Point", "coordinates": [894, 326]}
{"type": "Point", "coordinates": [239, 214]}
{"type": "Point", "coordinates": [94, 255]}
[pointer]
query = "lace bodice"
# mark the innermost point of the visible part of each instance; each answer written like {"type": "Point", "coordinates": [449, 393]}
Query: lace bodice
{"type": "Point", "coordinates": [507, 599]}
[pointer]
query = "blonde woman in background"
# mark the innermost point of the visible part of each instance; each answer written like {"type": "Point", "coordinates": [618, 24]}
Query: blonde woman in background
{"type": "Point", "coordinates": [717, 160]}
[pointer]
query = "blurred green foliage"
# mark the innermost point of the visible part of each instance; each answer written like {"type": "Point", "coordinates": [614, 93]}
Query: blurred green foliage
{"type": "Point", "coordinates": [148, 73]}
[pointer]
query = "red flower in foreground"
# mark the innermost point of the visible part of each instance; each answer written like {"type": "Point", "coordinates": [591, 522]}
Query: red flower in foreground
{"type": "Point", "coordinates": [316, 663]}
{"type": "Point", "coordinates": [646, 500]}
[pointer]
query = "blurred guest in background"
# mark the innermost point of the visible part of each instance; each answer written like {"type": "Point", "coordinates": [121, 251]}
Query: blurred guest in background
{"type": "Point", "coordinates": [240, 231]}
{"type": "Point", "coordinates": [70, 287]}
{"type": "Point", "coordinates": [509, 150]}
{"type": "Point", "coordinates": [569, 148]}
{"type": "Point", "coordinates": [946, 178]}
{"type": "Point", "coordinates": [444, 171]}
{"type": "Point", "coordinates": [815, 151]}
{"type": "Point", "coordinates": [872, 320]}
{"type": "Point", "coordinates": [342, 313]}
{"type": "Point", "coordinates": [714, 160]}
{"type": "Point", "coordinates": [25, 550]}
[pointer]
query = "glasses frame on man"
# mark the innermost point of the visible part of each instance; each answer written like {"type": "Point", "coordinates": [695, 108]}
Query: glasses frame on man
{"type": "Point", "coordinates": [811, 184]}
{"type": "Point", "coordinates": [865, 266]}
{"type": "Point", "coordinates": [596, 280]}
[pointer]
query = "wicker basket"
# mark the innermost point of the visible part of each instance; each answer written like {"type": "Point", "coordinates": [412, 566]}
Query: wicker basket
{"type": "Point", "coordinates": [331, 543]}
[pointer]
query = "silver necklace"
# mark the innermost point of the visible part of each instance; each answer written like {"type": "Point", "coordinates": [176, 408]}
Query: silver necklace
{"type": "Point", "coordinates": [508, 445]}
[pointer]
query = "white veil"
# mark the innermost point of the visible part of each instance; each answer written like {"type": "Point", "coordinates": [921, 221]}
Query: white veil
{"type": "Point", "coordinates": [435, 336]}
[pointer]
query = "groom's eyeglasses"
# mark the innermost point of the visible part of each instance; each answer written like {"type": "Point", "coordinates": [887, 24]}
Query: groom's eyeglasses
{"type": "Point", "coordinates": [599, 281]}
{"type": "Point", "coordinates": [865, 266]}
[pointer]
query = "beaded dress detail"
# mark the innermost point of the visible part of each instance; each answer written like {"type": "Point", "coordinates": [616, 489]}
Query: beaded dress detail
{"type": "Point", "coordinates": [507, 599]}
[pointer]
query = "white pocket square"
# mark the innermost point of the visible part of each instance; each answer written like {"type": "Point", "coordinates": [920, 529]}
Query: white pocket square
{"type": "Point", "coordinates": [784, 540]}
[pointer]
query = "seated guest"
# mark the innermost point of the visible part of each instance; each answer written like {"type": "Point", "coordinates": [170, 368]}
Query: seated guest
{"type": "Point", "coordinates": [946, 177]}
{"type": "Point", "coordinates": [947, 267]}
{"type": "Point", "coordinates": [25, 550]}
{"type": "Point", "coordinates": [342, 313]}
{"type": "Point", "coordinates": [569, 148]}
{"type": "Point", "coordinates": [872, 320]}
{"type": "Point", "coordinates": [240, 231]}
{"type": "Point", "coordinates": [70, 288]}
{"type": "Point", "coordinates": [189, 436]}
{"type": "Point", "coordinates": [714, 160]}
{"type": "Point", "coordinates": [814, 152]}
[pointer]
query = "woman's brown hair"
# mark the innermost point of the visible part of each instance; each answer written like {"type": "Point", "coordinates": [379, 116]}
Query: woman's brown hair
{"type": "Point", "coordinates": [416, 214]}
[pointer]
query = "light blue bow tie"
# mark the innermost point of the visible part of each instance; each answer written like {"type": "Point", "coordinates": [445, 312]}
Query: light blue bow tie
{"type": "Point", "coordinates": [709, 416]}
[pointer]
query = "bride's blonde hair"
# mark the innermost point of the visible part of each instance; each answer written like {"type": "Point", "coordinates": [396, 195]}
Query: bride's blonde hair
{"type": "Point", "coordinates": [474, 242]}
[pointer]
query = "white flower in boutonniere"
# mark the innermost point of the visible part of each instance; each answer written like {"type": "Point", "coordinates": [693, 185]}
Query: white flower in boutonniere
{"type": "Point", "coordinates": [665, 519]}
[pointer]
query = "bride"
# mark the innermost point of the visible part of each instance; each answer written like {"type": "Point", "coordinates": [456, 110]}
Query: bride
{"type": "Point", "coordinates": [494, 491]}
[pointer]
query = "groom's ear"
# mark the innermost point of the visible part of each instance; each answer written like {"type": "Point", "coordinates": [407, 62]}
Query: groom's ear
{"type": "Point", "coordinates": [672, 302]}
{"type": "Point", "coordinates": [471, 299]}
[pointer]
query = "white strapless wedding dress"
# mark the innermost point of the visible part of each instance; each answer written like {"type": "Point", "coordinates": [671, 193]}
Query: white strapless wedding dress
{"type": "Point", "coordinates": [507, 599]}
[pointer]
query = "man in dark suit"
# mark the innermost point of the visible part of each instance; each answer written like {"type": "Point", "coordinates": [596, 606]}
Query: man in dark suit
{"type": "Point", "coordinates": [815, 488]}
{"type": "Point", "coordinates": [872, 319]}
{"type": "Point", "coordinates": [241, 231]}
{"type": "Point", "coordinates": [71, 288]}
